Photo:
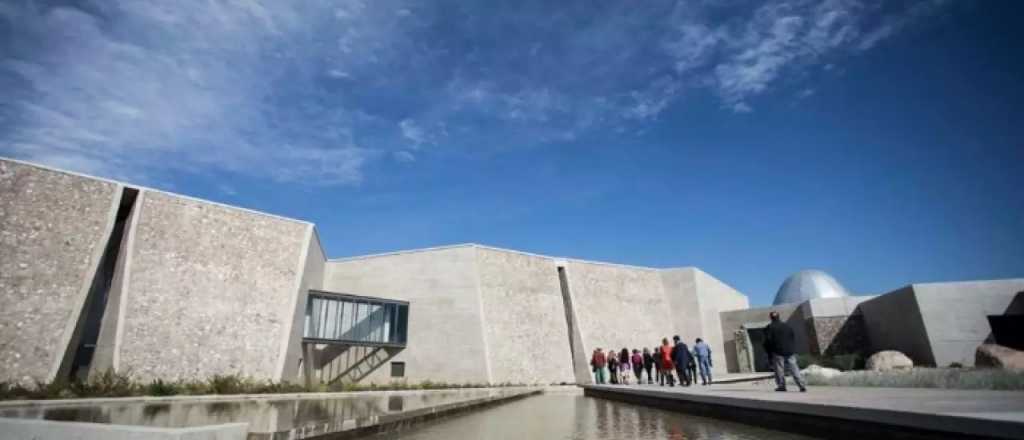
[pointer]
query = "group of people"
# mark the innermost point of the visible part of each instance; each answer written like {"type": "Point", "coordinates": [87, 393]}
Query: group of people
{"type": "Point", "coordinates": [671, 361]}
{"type": "Point", "coordinates": [666, 363]}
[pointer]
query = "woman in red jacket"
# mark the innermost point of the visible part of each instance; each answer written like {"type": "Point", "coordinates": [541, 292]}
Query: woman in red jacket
{"type": "Point", "coordinates": [667, 367]}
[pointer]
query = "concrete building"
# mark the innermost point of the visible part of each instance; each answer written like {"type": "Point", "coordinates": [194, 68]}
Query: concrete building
{"type": "Point", "coordinates": [96, 274]}
{"type": "Point", "coordinates": [935, 324]}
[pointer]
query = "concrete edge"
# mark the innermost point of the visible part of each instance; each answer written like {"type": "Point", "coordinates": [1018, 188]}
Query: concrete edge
{"type": "Point", "coordinates": [482, 314]}
{"type": "Point", "coordinates": [142, 188]}
{"type": "Point", "coordinates": [498, 249]}
{"type": "Point", "coordinates": [87, 278]}
{"type": "Point", "coordinates": [399, 252]}
{"type": "Point", "coordinates": [126, 279]}
{"type": "Point", "coordinates": [764, 376]}
{"type": "Point", "coordinates": [290, 313]}
{"type": "Point", "coordinates": [397, 422]}
{"type": "Point", "coordinates": [953, 426]}
{"type": "Point", "coordinates": [230, 397]}
{"type": "Point", "coordinates": [13, 428]}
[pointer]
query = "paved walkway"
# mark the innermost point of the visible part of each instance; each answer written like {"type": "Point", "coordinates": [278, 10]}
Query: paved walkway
{"type": "Point", "coordinates": [977, 412]}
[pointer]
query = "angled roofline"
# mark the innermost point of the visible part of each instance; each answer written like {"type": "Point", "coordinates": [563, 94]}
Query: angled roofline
{"type": "Point", "coordinates": [148, 189]}
{"type": "Point", "coordinates": [500, 249]}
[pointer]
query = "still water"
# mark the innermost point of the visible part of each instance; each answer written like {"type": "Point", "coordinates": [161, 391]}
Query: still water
{"type": "Point", "coordinates": [573, 416]}
{"type": "Point", "coordinates": [559, 415]}
{"type": "Point", "coordinates": [268, 418]}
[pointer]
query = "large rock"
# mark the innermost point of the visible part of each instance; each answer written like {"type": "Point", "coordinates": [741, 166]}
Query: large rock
{"type": "Point", "coordinates": [889, 360]}
{"type": "Point", "coordinates": [998, 356]}
{"type": "Point", "coordinates": [818, 370]}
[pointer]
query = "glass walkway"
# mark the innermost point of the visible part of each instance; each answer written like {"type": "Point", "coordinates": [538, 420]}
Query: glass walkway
{"type": "Point", "coordinates": [342, 319]}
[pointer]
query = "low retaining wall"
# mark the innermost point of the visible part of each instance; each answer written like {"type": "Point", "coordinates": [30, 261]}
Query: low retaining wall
{"type": "Point", "coordinates": [30, 429]}
{"type": "Point", "coordinates": [826, 421]}
{"type": "Point", "coordinates": [36, 429]}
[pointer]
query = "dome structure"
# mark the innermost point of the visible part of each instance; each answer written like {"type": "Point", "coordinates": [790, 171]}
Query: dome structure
{"type": "Point", "coordinates": [809, 284]}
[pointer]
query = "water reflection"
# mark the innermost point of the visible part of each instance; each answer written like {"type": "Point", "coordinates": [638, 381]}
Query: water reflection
{"type": "Point", "coordinates": [271, 418]}
{"type": "Point", "coordinates": [572, 416]}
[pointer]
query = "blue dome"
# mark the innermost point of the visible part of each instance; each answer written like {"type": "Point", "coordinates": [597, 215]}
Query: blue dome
{"type": "Point", "coordinates": [809, 284]}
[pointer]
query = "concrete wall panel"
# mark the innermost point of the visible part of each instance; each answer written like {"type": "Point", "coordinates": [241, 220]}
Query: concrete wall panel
{"type": "Point", "coordinates": [955, 315]}
{"type": "Point", "coordinates": [312, 278]}
{"type": "Point", "coordinates": [893, 322]}
{"type": "Point", "coordinates": [715, 297]}
{"type": "Point", "coordinates": [106, 340]}
{"type": "Point", "coordinates": [524, 318]}
{"type": "Point", "coordinates": [209, 290]}
{"type": "Point", "coordinates": [446, 337]}
{"type": "Point", "coordinates": [681, 293]}
{"type": "Point", "coordinates": [619, 306]}
{"type": "Point", "coordinates": [53, 228]}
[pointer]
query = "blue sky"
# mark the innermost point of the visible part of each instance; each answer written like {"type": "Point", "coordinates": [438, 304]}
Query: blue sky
{"type": "Point", "coordinates": [877, 140]}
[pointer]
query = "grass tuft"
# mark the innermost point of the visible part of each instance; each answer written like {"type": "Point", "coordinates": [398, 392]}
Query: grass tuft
{"type": "Point", "coordinates": [112, 384]}
{"type": "Point", "coordinates": [948, 378]}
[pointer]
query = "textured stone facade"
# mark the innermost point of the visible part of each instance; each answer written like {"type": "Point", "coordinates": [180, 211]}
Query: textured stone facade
{"type": "Point", "coordinates": [53, 228]}
{"type": "Point", "coordinates": [198, 289]}
{"type": "Point", "coordinates": [835, 335]}
{"type": "Point", "coordinates": [620, 306]}
{"type": "Point", "coordinates": [524, 318]}
{"type": "Point", "coordinates": [446, 328]}
{"type": "Point", "coordinates": [209, 290]}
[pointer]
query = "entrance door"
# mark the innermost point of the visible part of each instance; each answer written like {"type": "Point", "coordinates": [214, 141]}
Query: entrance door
{"type": "Point", "coordinates": [756, 336]}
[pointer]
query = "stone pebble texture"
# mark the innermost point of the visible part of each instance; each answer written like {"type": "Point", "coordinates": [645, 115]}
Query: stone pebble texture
{"type": "Point", "coordinates": [836, 335]}
{"type": "Point", "coordinates": [620, 306]}
{"type": "Point", "coordinates": [524, 315]}
{"type": "Point", "coordinates": [210, 290]}
{"type": "Point", "coordinates": [446, 338]}
{"type": "Point", "coordinates": [53, 227]}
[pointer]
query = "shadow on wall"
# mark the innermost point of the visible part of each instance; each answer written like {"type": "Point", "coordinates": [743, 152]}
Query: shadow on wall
{"type": "Point", "coordinates": [1008, 328]}
{"type": "Point", "coordinates": [346, 363]}
{"type": "Point", "coordinates": [839, 335]}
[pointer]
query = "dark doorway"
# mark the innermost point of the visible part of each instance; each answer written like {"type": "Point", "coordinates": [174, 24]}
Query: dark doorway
{"type": "Point", "coordinates": [756, 336]}
{"type": "Point", "coordinates": [1008, 330]}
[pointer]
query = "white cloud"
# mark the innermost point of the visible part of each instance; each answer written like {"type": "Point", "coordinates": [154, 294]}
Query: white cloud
{"type": "Point", "coordinates": [314, 91]}
{"type": "Point", "coordinates": [741, 107]}
{"type": "Point", "coordinates": [412, 132]}
{"type": "Point", "coordinates": [158, 89]}
{"type": "Point", "coordinates": [404, 156]}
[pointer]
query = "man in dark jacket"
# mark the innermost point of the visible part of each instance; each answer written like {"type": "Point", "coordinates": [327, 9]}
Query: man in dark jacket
{"type": "Point", "coordinates": [681, 357]}
{"type": "Point", "coordinates": [780, 344]}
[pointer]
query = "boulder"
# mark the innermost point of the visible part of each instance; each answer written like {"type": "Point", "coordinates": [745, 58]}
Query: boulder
{"type": "Point", "coordinates": [889, 360]}
{"type": "Point", "coordinates": [818, 370]}
{"type": "Point", "coordinates": [998, 356]}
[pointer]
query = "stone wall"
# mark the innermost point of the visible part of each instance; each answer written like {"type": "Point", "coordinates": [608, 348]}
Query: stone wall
{"type": "Point", "coordinates": [620, 306]}
{"type": "Point", "coordinates": [446, 328]}
{"type": "Point", "coordinates": [524, 318]}
{"type": "Point", "coordinates": [893, 322]}
{"type": "Point", "coordinates": [716, 297]}
{"type": "Point", "coordinates": [53, 228]}
{"type": "Point", "coordinates": [955, 315]}
{"type": "Point", "coordinates": [312, 279]}
{"type": "Point", "coordinates": [209, 290]}
{"type": "Point", "coordinates": [835, 335]}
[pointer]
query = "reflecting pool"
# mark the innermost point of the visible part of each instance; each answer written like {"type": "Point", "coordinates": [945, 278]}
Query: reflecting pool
{"type": "Point", "coordinates": [573, 416]}
{"type": "Point", "coordinates": [272, 417]}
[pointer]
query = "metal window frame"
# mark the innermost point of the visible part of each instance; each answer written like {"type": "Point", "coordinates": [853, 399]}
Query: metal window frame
{"type": "Point", "coordinates": [319, 301]}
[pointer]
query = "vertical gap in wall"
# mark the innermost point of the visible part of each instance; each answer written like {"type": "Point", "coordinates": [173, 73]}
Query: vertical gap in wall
{"type": "Point", "coordinates": [570, 322]}
{"type": "Point", "coordinates": [82, 347]}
